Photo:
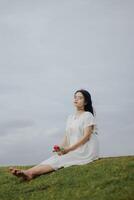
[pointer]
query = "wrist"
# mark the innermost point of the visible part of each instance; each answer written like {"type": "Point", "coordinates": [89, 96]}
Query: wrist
{"type": "Point", "coordinates": [70, 148]}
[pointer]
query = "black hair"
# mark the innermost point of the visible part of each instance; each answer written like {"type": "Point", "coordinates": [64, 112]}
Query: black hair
{"type": "Point", "coordinates": [88, 100]}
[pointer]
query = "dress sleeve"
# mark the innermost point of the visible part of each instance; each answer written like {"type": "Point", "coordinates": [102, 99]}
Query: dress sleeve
{"type": "Point", "coordinates": [89, 120]}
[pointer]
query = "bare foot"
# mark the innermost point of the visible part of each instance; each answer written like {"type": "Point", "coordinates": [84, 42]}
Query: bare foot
{"type": "Point", "coordinates": [24, 174]}
{"type": "Point", "coordinates": [13, 170]}
{"type": "Point", "coordinates": [21, 173]}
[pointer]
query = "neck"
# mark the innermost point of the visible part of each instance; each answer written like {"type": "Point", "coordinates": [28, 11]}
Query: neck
{"type": "Point", "coordinates": [79, 110]}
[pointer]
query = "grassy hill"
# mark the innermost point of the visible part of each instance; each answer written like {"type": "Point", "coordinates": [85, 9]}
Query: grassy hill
{"type": "Point", "coordinates": [109, 178]}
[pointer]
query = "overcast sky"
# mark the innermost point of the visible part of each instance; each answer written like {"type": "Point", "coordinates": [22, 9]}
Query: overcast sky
{"type": "Point", "coordinates": [48, 50]}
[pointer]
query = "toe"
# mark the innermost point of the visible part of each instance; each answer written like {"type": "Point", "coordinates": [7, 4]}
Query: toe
{"type": "Point", "coordinates": [12, 170]}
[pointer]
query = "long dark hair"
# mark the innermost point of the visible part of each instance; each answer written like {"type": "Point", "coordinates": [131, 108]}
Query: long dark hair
{"type": "Point", "coordinates": [88, 100]}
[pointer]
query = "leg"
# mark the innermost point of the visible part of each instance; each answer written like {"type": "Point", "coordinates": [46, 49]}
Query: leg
{"type": "Point", "coordinates": [40, 169]}
{"type": "Point", "coordinates": [32, 172]}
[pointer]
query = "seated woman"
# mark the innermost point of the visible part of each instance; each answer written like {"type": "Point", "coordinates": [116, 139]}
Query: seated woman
{"type": "Point", "coordinates": [80, 143]}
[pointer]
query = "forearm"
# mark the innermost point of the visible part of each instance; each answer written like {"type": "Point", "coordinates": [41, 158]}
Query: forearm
{"type": "Point", "coordinates": [81, 142]}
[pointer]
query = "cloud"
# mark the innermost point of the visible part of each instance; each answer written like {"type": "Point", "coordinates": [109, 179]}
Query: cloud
{"type": "Point", "coordinates": [29, 145]}
{"type": "Point", "coordinates": [48, 51]}
{"type": "Point", "coordinates": [8, 127]}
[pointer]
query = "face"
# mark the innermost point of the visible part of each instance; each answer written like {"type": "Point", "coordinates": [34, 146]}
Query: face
{"type": "Point", "coordinates": [79, 100]}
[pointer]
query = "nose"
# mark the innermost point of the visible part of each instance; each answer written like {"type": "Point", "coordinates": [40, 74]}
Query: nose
{"type": "Point", "coordinates": [75, 101]}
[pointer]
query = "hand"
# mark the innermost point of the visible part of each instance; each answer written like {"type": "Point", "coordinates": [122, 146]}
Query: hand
{"type": "Point", "coordinates": [57, 148]}
{"type": "Point", "coordinates": [64, 151]}
{"type": "Point", "coordinates": [60, 150]}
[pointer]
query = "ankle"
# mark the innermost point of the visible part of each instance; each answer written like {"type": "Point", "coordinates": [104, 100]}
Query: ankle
{"type": "Point", "coordinates": [29, 173]}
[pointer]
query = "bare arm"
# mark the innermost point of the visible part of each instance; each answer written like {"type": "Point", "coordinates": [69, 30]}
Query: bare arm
{"type": "Point", "coordinates": [87, 134]}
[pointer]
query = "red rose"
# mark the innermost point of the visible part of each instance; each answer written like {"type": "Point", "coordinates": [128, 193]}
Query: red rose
{"type": "Point", "coordinates": [56, 148]}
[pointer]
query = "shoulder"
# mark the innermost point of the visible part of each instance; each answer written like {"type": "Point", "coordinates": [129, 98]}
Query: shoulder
{"type": "Point", "coordinates": [89, 119]}
{"type": "Point", "coordinates": [88, 114]}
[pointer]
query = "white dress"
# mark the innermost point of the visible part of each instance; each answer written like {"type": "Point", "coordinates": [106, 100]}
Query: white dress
{"type": "Point", "coordinates": [84, 154]}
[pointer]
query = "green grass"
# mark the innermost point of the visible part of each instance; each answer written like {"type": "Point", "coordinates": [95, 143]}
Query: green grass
{"type": "Point", "coordinates": [109, 178]}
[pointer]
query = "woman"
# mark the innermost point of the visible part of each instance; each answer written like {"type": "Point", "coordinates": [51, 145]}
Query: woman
{"type": "Point", "coordinates": [80, 143]}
